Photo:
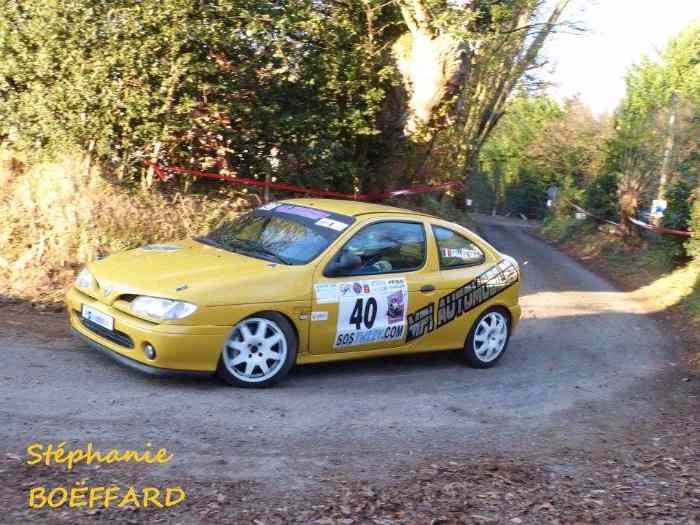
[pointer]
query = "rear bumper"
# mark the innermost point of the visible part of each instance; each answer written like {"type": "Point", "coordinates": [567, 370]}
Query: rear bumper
{"type": "Point", "coordinates": [179, 348]}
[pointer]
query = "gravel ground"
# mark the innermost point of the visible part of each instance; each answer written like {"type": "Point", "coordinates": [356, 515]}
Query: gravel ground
{"type": "Point", "coordinates": [589, 417]}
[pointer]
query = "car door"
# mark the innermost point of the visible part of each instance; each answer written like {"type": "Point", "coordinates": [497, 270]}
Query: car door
{"type": "Point", "coordinates": [364, 290]}
{"type": "Point", "coordinates": [462, 264]}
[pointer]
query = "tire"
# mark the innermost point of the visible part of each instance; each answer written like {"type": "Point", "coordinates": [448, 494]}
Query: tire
{"type": "Point", "coordinates": [488, 339]}
{"type": "Point", "coordinates": [259, 351]}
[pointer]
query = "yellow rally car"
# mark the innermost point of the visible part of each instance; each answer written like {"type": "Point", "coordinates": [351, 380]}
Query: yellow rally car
{"type": "Point", "coordinates": [300, 281]}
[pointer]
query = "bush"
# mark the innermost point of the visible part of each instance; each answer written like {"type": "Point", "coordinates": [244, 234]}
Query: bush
{"type": "Point", "coordinates": [56, 217]}
{"type": "Point", "coordinates": [559, 229]}
{"type": "Point", "coordinates": [225, 84]}
{"type": "Point", "coordinates": [529, 196]}
{"type": "Point", "coordinates": [600, 197]}
{"type": "Point", "coordinates": [677, 215]}
{"type": "Point", "coordinates": [484, 193]}
{"type": "Point", "coordinates": [664, 252]}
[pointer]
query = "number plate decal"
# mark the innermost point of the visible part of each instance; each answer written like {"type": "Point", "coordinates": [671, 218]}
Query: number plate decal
{"type": "Point", "coordinates": [371, 312]}
{"type": "Point", "coordinates": [97, 317]}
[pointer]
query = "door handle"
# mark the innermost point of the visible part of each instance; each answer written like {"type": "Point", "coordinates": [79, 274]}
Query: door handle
{"type": "Point", "coordinates": [427, 288]}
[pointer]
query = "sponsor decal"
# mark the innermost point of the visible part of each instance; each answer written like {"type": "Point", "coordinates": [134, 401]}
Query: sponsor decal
{"type": "Point", "coordinates": [161, 248]}
{"type": "Point", "coordinates": [269, 206]}
{"type": "Point", "coordinates": [484, 287]}
{"type": "Point", "coordinates": [460, 301]}
{"type": "Point", "coordinates": [396, 309]}
{"type": "Point", "coordinates": [461, 253]}
{"type": "Point", "coordinates": [301, 211]}
{"type": "Point", "coordinates": [319, 316]}
{"type": "Point", "coordinates": [421, 322]}
{"type": "Point", "coordinates": [326, 293]}
{"type": "Point", "coordinates": [332, 224]}
{"type": "Point", "coordinates": [371, 311]}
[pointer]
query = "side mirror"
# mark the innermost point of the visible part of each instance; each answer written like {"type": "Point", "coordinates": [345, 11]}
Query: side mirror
{"type": "Point", "coordinates": [342, 264]}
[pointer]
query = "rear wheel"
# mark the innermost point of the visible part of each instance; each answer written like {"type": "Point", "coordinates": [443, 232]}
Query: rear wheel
{"type": "Point", "coordinates": [488, 339]}
{"type": "Point", "coordinates": [259, 351]}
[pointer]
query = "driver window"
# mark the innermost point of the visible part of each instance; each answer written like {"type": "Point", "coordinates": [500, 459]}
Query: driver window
{"type": "Point", "coordinates": [384, 247]}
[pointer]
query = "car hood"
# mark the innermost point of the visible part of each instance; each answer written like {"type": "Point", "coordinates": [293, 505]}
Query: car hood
{"type": "Point", "coordinates": [202, 274]}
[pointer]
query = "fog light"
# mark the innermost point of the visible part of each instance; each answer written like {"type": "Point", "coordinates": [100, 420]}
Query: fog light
{"type": "Point", "coordinates": [149, 350]}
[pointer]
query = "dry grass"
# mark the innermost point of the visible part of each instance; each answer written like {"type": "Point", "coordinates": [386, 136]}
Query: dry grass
{"type": "Point", "coordinates": [56, 217]}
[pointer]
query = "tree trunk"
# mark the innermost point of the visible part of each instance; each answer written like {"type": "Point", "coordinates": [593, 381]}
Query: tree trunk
{"type": "Point", "coordinates": [668, 152]}
{"type": "Point", "coordinates": [628, 209]}
{"type": "Point", "coordinates": [430, 67]}
{"type": "Point", "coordinates": [470, 170]}
{"type": "Point", "coordinates": [151, 171]}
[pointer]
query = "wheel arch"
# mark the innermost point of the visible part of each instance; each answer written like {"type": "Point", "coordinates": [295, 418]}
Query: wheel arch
{"type": "Point", "coordinates": [503, 308]}
{"type": "Point", "coordinates": [276, 312]}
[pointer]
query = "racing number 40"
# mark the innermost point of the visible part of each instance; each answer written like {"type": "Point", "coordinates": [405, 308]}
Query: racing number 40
{"type": "Point", "coordinates": [364, 313]}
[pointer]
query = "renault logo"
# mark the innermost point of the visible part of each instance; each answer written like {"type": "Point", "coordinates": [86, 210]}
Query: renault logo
{"type": "Point", "coordinates": [106, 289]}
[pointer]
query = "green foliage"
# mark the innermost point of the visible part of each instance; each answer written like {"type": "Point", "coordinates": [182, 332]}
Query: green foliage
{"type": "Point", "coordinates": [600, 196]}
{"type": "Point", "coordinates": [538, 144]}
{"type": "Point", "coordinates": [664, 253]}
{"type": "Point", "coordinates": [212, 84]}
{"type": "Point", "coordinates": [229, 85]}
{"type": "Point", "coordinates": [677, 215]}
{"type": "Point", "coordinates": [484, 191]}
{"type": "Point", "coordinates": [528, 196]}
{"type": "Point", "coordinates": [506, 162]}
{"type": "Point", "coordinates": [559, 229]}
{"type": "Point", "coordinates": [655, 136]}
{"type": "Point", "coordinates": [309, 92]}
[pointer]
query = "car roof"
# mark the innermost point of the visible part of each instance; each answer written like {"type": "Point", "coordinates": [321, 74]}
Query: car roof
{"type": "Point", "coordinates": [351, 208]}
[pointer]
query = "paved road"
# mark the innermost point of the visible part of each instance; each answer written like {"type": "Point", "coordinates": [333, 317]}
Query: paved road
{"type": "Point", "coordinates": [578, 370]}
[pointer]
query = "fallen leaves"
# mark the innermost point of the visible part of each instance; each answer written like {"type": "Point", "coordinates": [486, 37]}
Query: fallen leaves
{"type": "Point", "coordinates": [650, 479]}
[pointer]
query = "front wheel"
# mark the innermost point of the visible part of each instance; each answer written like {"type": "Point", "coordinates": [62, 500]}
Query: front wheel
{"type": "Point", "coordinates": [259, 351]}
{"type": "Point", "coordinates": [488, 339]}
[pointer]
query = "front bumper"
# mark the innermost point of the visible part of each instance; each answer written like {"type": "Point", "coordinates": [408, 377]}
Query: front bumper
{"type": "Point", "coordinates": [135, 365]}
{"type": "Point", "coordinates": [179, 348]}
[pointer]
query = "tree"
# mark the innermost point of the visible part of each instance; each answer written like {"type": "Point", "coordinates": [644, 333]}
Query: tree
{"type": "Point", "coordinates": [656, 128]}
{"type": "Point", "coordinates": [506, 155]}
{"type": "Point", "coordinates": [495, 68]}
{"type": "Point", "coordinates": [560, 145]}
{"type": "Point", "coordinates": [348, 94]}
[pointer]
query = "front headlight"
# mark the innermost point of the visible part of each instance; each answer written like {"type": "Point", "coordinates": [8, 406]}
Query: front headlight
{"type": "Point", "coordinates": [84, 279]}
{"type": "Point", "coordinates": [163, 309]}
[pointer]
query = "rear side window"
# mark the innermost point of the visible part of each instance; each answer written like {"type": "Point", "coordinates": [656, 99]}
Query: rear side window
{"type": "Point", "coordinates": [456, 251]}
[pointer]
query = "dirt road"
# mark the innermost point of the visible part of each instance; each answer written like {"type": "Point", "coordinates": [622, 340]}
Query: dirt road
{"type": "Point", "coordinates": [585, 366]}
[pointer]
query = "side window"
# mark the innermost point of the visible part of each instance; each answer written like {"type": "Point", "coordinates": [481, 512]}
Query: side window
{"type": "Point", "coordinates": [455, 251]}
{"type": "Point", "coordinates": [384, 247]}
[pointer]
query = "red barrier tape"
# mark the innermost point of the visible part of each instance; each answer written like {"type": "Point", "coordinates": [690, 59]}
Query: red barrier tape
{"type": "Point", "coordinates": [649, 227]}
{"type": "Point", "coordinates": [660, 230]}
{"type": "Point", "coordinates": [162, 173]}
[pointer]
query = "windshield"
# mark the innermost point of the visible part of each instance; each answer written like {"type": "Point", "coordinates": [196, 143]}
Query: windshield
{"type": "Point", "coordinates": [284, 233]}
